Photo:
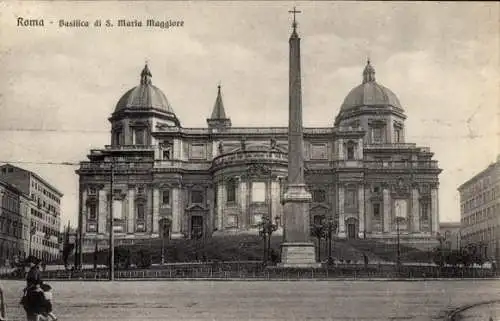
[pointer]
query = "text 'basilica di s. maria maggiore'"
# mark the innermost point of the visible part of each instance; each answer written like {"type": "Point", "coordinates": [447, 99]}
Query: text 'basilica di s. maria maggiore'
{"type": "Point", "coordinates": [192, 182]}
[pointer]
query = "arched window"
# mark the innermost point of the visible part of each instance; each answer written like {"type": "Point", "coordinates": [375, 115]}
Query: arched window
{"type": "Point", "coordinates": [140, 212]}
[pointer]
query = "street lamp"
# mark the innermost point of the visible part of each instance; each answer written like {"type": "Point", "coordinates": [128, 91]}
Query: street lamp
{"type": "Point", "coordinates": [330, 226]}
{"type": "Point", "coordinates": [32, 232]}
{"type": "Point", "coordinates": [441, 238]}
{"type": "Point", "coordinates": [165, 225]}
{"type": "Point", "coordinates": [318, 231]}
{"type": "Point", "coordinates": [266, 229]}
{"type": "Point", "coordinates": [398, 244]}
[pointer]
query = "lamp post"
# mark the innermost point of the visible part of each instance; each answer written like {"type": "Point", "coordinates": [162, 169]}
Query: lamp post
{"type": "Point", "coordinates": [111, 227]}
{"type": "Point", "coordinates": [398, 244]}
{"type": "Point", "coordinates": [165, 226]}
{"type": "Point", "coordinates": [441, 238]}
{"type": "Point", "coordinates": [32, 232]}
{"type": "Point", "coordinates": [330, 227]}
{"type": "Point", "coordinates": [266, 229]}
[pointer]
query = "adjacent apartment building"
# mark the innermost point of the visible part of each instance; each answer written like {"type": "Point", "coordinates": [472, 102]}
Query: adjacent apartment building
{"type": "Point", "coordinates": [14, 223]}
{"type": "Point", "coordinates": [43, 208]}
{"type": "Point", "coordinates": [480, 210]}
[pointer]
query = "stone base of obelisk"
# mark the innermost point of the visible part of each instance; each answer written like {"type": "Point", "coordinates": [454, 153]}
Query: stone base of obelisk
{"type": "Point", "coordinates": [298, 255]}
{"type": "Point", "coordinates": [297, 251]}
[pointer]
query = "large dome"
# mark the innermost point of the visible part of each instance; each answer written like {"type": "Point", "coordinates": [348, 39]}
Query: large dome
{"type": "Point", "coordinates": [370, 93]}
{"type": "Point", "coordinates": [144, 96]}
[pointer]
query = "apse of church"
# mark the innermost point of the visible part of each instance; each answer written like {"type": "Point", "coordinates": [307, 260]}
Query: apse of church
{"type": "Point", "coordinates": [200, 182]}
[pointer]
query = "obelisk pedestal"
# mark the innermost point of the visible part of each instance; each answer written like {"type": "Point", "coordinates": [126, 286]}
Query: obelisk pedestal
{"type": "Point", "coordinates": [297, 251]}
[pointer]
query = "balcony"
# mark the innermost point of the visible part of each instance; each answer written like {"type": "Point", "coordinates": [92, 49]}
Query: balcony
{"type": "Point", "coordinates": [160, 165]}
{"type": "Point", "coordinates": [401, 165]}
{"type": "Point", "coordinates": [244, 157]}
{"type": "Point", "coordinates": [118, 166]}
{"type": "Point", "coordinates": [129, 147]}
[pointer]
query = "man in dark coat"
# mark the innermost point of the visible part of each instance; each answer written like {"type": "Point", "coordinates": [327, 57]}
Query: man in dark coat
{"type": "Point", "coordinates": [33, 277]}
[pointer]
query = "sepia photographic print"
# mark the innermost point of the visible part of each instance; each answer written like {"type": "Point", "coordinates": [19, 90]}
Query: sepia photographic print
{"type": "Point", "coordinates": [238, 160]}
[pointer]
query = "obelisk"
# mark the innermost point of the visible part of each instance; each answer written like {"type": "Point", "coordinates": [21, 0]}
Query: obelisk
{"type": "Point", "coordinates": [296, 250]}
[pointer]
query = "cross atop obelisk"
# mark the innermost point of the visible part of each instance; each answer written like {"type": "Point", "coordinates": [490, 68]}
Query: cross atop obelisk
{"type": "Point", "coordinates": [294, 23]}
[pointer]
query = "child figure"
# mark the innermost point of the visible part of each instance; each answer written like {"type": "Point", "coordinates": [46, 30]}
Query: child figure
{"type": "Point", "coordinates": [47, 293]}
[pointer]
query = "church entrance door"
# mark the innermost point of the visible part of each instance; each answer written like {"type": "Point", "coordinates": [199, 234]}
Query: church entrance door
{"type": "Point", "coordinates": [196, 226]}
{"type": "Point", "coordinates": [351, 230]}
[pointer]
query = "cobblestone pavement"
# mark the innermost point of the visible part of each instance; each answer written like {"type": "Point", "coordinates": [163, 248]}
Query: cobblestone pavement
{"type": "Point", "coordinates": [259, 300]}
{"type": "Point", "coordinates": [481, 312]}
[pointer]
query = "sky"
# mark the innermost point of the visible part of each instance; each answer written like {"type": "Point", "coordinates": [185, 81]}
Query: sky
{"type": "Point", "coordinates": [58, 86]}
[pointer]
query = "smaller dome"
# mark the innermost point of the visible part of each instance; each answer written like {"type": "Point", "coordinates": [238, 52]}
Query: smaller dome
{"type": "Point", "coordinates": [144, 96]}
{"type": "Point", "coordinates": [370, 93]}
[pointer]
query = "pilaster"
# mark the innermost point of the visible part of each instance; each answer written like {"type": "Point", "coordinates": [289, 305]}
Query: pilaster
{"type": "Point", "coordinates": [387, 209]}
{"type": "Point", "coordinates": [368, 210]}
{"type": "Point", "coordinates": [242, 198]}
{"type": "Point", "coordinates": [415, 210]}
{"type": "Point", "coordinates": [361, 211]}
{"type": "Point", "coordinates": [434, 210]}
{"type": "Point", "coordinates": [156, 209]}
{"type": "Point", "coordinates": [275, 199]}
{"type": "Point", "coordinates": [341, 200]}
{"type": "Point", "coordinates": [220, 204]}
{"type": "Point", "coordinates": [177, 209]}
{"type": "Point", "coordinates": [85, 213]}
{"type": "Point", "coordinates": [131, 210]}
{"type": "Point", "coordinates": [340, 145]}
{"type": "Point", "coordinates": [103, 211]}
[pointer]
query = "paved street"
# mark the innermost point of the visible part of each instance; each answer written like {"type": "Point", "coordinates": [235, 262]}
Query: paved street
{"type": "Point", "coordinates": [481, 313]}
{"type": "Point", "coordinates": [240, 300]}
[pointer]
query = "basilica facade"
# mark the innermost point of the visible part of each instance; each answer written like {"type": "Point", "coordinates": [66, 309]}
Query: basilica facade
{"type": "Point", "coordinates": [161, 179]}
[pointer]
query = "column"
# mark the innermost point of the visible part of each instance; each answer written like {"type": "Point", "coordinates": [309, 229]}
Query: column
{"type": "Point", "coordinates": [176, 210]}
{"type": "Point", "coordinates": [156, 209]}
{"type": "Point", "coordinates": [242, 199]}
{"type": "Point", "coordinates": [177, 149]}
{"type": "Point", "coordinates": [360, 149]}
{"type": "Point", "coordinates": [434, 210]}
{"type": "Point", "coordinates": [220, 204]}
{"type": "Point", "coordinates": [131, 210]}
{"type": "Point", "coordinates": [84, 213]}
{"type": "Point", "coordinates": [341, 211]}
{"type": "Point", "coordinates": [215, 149]}
{"type": "Point", "coordinates": [415, 210]}
{"type": "Point", "coordinates": [340, 145]}
{"type": "Point", "coordinates": [103, 211]}
{"type": "Point", "coordinates": [361, 210]}
{"type": "Point", "coordinates": [209, 222]}
{"type": "Point", "coordinates": [387, 210]}
{"type": "Point", "coordinates": [275, 197]}
{"type": "Point", "coordinates": [368, 210]}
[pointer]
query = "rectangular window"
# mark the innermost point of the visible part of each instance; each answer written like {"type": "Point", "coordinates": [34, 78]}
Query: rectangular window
{"type": "Point", "coordinates": [424, 211]}
{"type": "Point", "coordinates": [197, 151]}
{"type": "Point", "coordinates": [258, 192]}
{"type": "Point", "coordinates": [117, 210]}
{"type": "Point", "coordinates": [350, 199]}
{"type": "Point", "coordinates": [197, 197]}
{"type": "Point", "coordinates": [165, 197]}
{"type": "Point", "coordinates": [92, 212]}
{"type": "Point", "coordinates": [318, 196]}
{"type": "Point", "coordinates": [397, 135]}
{"type": "Point", "coordinates": [376, 210]}
{"type": "Point", "coordinates": [231, 191]}
{"type": "Point", "coordinates": [166, 154]}
{"type": "Point", "coordinates": [318, 151]}
{"type": "Point", "coordinates": [377, 134]}
{"type": "Point", "coordinates": [141, 215]}
{"type": "Point", "coordinates": [139, 135]}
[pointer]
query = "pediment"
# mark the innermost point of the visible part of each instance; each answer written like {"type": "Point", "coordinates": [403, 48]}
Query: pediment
{"type": "Point", "coordinates": [196, 207]}
{"type": "Point", "coordinates": [317, 207]}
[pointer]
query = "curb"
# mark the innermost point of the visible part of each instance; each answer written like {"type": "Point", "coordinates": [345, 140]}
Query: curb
{"type": "Point", "coordinates": [282, 280]}
{"type": "Point", "coordinates": [451, 315]}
